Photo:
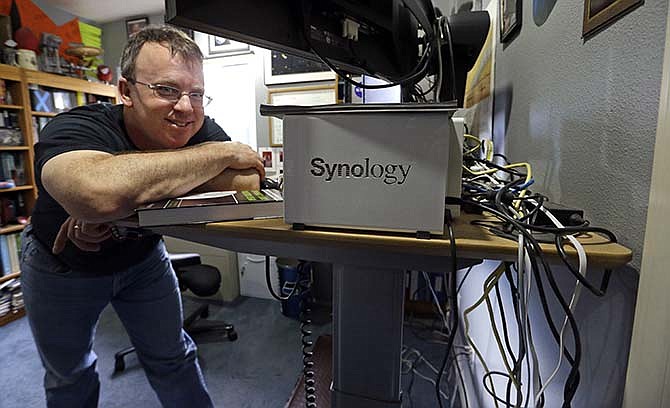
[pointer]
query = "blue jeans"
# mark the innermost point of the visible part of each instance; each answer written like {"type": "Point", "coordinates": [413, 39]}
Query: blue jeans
{"type": "Point", "coordinates": [64, 306]}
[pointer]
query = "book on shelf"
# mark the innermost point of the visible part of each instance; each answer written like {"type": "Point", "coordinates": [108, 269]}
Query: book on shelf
{"type": "Point", "coordinates": [5, 261]}
{"type": "Point", "coordinates": [211, 207]}
{"type": "Point", "coordinates": [13, 252]}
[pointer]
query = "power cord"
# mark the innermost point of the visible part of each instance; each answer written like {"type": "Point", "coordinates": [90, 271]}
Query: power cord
{"type": "Point", "coordinates": [454, 304]}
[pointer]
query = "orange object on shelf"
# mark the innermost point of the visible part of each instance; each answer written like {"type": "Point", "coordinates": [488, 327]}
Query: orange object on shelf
{"type": "Point", "coordinates": [34, 18]}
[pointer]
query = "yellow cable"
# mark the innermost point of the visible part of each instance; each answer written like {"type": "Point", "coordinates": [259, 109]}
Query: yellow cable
{"type": "Point", "coordinates": [508, 166]}
{"type": "Point", "coordinates": [489, 149]}
{"type": "Point", "coordinates": [474, 149]}
{"type": "Point", "coordinates": [493, 277]}
{"type": "Point", "coordinates": [529, 175]}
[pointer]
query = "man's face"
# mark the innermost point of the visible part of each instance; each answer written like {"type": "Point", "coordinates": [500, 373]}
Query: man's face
{"type": "Point", "coordinates": [156, 123]}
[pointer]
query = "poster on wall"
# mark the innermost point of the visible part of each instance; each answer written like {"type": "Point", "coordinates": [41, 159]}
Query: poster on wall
{"type": "Point", "coordinates": [478, 101]}
{"type": "Point", "coordinates": [220, 47]}
{"type": "Point", "coordinates": [135, 25]}
{"type": "Point", "coordinates": [598, 14]}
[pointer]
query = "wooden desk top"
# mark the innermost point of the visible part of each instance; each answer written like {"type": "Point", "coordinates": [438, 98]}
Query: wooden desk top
{"type": "Point", "coordinates": [472, 241]}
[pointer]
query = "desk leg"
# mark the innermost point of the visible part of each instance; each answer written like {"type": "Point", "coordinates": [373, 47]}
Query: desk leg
{"type": "Point", "coordinates": [367, 337]}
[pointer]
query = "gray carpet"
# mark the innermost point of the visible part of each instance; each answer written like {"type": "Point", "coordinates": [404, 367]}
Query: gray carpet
{"type": "Point", "coordinates": [259, 370]}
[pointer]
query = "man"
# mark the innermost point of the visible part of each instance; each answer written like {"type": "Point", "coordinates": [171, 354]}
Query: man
{"type": "Point", "coordinates": [96, 164]}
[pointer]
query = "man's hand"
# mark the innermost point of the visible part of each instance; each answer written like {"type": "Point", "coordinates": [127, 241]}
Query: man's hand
{"type": "Point", "coordinates": [85, 235]}
{"type": "Point", "coordinates": [231, 179]}
{"type": "Point", "coordinates": [244, 157]}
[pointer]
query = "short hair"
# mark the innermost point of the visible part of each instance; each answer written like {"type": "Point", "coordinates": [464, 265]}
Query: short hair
{"type": "Point", "coordinates": [171, 37]}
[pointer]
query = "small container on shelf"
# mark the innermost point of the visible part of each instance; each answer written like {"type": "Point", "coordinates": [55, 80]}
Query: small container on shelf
{"type": "Point", "coordinates": [7, 184]}
{"type": "Point", "coordinates": [11, 137]}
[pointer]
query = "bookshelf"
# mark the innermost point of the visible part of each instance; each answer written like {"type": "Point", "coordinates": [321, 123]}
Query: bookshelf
{"type": "Point", "coordinates": [18, 82]}
{"type": "Point", "coordinates": [11, 316]}
{"type": "Point", "coordinates": [18, 85]}
{"type": "Point", "coordinates": [15, 314]}
{"type": "Point", "coordinates": [44, 114]}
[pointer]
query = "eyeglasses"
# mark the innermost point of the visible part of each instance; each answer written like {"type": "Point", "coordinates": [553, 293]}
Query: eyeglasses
{"type": "Point", "coordinates": [172, 94]}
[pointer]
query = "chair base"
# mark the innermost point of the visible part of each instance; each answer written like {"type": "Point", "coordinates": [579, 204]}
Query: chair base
{"type": "Point", "coordinates": [202, 312]}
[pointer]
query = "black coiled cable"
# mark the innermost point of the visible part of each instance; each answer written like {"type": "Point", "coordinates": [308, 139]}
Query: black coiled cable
{"type": "Point", "coordinates": [304, 289]}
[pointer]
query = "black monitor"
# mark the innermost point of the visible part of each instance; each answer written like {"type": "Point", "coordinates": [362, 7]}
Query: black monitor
{"type": "Point", "coordinates": [386, 44]}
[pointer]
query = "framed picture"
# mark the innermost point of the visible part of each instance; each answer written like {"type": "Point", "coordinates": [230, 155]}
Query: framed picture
{"type": "Point", "coordinates": [273, 159]}
{"type": "Point", "coordinates": [135, 25]}
{"type": "Point", "coordinates": [510, 18]}
{"type": "Point", "coordinates": [600, 13]}
{"type": "Point", "coordinates": [269, 158]}
{"type": "Point", "coordinates": [308, 95]}
{"type": "Point", "coordinates": [282, 68]}
{"type": "Point", "coordinates": [219, 46]}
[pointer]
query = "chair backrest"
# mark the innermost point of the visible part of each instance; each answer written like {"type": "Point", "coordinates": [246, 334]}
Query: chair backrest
{"type": "Point", "coordinates": [202, 280]}
{"type": "Point", "coordinates": [183, 259]}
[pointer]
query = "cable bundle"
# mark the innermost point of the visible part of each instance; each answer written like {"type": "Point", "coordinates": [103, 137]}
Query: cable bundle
{"type": "Point", "coordinates": [502, 190]}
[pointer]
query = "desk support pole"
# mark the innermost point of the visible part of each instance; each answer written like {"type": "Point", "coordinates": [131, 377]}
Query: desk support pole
{"type": "Point", "coordinates": [367, 336]}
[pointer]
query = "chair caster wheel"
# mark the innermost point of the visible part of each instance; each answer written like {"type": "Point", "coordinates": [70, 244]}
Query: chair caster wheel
{"type": "Point", "coordinates": [232, 336]}
{"type": "Point", "coordinates": [119, 365]}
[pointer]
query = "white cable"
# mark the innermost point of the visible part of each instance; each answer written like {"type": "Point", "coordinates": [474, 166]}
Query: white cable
{"type": "Point", "coordinates": [439, 59]}
{"type": "Point", "coordinates": [523, 310]}
{"type": "Point", "coordinates": [437, 302]}
{"type": "Point", "coordinates": [460, 384]}
{"type": "Point", "coordinates": [412, 365]}
{"type": "Point", "coordinates": [573, 301]}
{"type": "Point", "coordinates": [430, 380]}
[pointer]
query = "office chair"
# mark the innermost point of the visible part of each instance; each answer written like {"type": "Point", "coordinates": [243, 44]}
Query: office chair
{"type": "Point", "coordinates": [202, 280]}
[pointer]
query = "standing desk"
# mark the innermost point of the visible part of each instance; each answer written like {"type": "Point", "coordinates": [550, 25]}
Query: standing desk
{"type": "Point", "coordinates": [368, 286]}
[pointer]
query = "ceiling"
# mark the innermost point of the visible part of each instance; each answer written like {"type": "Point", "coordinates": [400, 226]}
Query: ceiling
{"type": "Point", "coordinates": [103, 11]}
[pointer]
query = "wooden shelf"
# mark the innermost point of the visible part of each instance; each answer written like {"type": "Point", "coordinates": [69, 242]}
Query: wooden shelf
{"type": "Point", "coordinates": [11, 73]}
{"type": "Point", "coordinates": [8, 229]}
{"type": "Point", "coordinates": [47, 114]}
{"type": "Point", "coordinates": [68, 83]}
{"type": "Point", "coordinates": [19, 188]}
{"type": "Point", "coordinates": [10, 276]}
{"type": "Point", "coordinates": [11, 316]}
{"type": "Point", "coordinates": [14, 148]}
{"type": "Point", "coordinates": [16, 107]}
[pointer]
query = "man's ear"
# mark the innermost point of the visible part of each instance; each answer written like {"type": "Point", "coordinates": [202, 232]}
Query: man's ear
{"type": "Point", "coordinates": [124, 92]}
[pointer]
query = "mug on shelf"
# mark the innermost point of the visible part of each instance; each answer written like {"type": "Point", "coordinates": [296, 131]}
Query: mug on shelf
{"type": "Point", "coordinates": [26, 59]}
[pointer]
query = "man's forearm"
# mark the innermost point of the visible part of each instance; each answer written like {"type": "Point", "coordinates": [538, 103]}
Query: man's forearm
{"type": "Point", "coordinates": [105, 187]}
